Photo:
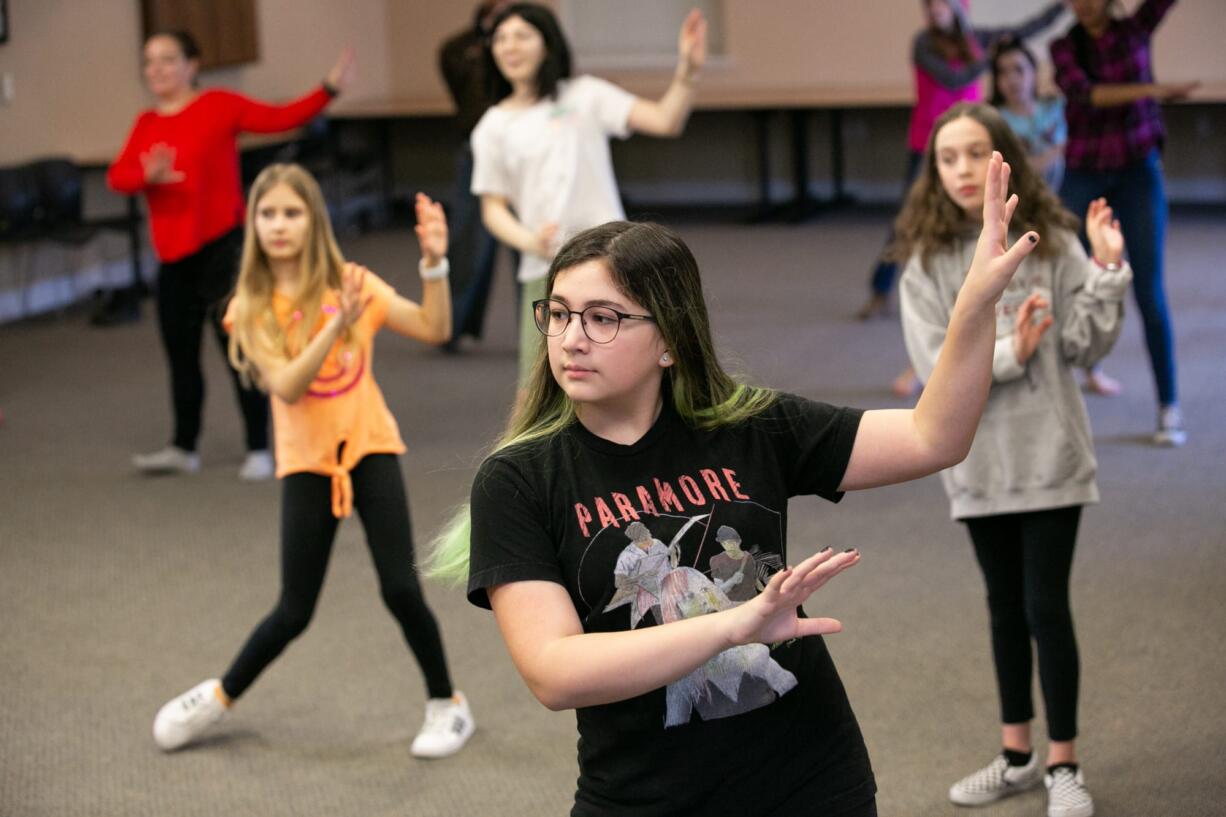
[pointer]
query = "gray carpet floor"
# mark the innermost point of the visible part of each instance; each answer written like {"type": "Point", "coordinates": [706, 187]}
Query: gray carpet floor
{"type": "Point", "coordinates": [118, 592]}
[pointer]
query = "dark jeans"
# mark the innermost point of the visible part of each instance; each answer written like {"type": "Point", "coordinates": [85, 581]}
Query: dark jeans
{"type": "Point", "coordinates": [308, 529]}
{"type": "Point", "coordinates": [885, 271]}
{"type": "Point", "coordinates": [1138, 195]}
{"type": "Point", "coordinates": [1026, 559]}
{"type": "Point", "coordinates": [191, 292]}
{"type": "Point", "coordinates": [471, 255]}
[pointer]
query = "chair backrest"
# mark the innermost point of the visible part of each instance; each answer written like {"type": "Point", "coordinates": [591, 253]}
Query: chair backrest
{"type": "Point", "coordinates": [59, 192]}
{"type": "Point", "coordinates": [18, 202]}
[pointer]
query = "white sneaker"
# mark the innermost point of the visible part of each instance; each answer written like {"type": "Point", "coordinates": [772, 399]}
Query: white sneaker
{"type": "Point", "coordinates": [996, 780]}
{"type": "Point", "coordinates": [258, 466]}
{"type": "Point", "coordinates": [1170, 431]}
{"type": "Point", "coordinates": [448, 726]}
{"type": "Point", "coordinates": [168, 460]}
{"type": "Point", "coordinates": [1067, 795]}
{"type": "Point", "coordinates": [183, 718]}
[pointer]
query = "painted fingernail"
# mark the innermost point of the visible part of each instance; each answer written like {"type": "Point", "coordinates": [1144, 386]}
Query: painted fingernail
{"type": "Point", "coordinates": [1033, 239]}
{"type": "Point", "coordinates": [850, 550]}
{"type": "Point", "coordinates": [826, 549]}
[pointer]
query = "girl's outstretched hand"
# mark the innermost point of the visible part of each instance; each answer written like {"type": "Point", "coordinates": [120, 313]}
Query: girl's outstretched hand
{"type": "Point", "coordinates": [353, 277]}
{"type": "Point", "coordinates": [1103, 230]}
{"type": "Point", "coordinates": [1027, 332]}
{"type": "Point", "coordinates": [341, 74]}
{"type": "Point", "coordinates": [431, 230]}
{"type": "Point", "coordinates": [692, 44]}
{"type": "Point", "coordinates": [771, 617]}
{"type": "Point", "coordinates": [994, 263]}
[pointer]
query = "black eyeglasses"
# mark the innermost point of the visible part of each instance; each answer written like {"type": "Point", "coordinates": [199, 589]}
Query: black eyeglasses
{"type": "Point", "coordinates": [600, 323]}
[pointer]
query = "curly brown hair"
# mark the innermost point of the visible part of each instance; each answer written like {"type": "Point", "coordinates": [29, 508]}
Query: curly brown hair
{"type": "Point", "coordinates": [930, 220]}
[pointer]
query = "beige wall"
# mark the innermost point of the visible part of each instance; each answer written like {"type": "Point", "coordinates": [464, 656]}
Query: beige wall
{"type": "Point", "coordinates": [75, 65]}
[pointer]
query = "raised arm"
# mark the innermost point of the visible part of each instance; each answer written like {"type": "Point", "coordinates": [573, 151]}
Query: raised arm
{"type": "Point", "coordinates": [290, 378]}
{"type": "Point", "coordinates": [898, 445]}
{"type": "Point", "coordinates": [567, 668]}
{"type": "Point", "coordinates": [261, 117]}
{"type": "Point", "coordinates": [1026, 28]}
{"type": "Point", "coordinates": [667, 116]}
{"type": "Point", "coordinates": [429, 321]}
{"type": "Point", "coordinates": [1092, 291]}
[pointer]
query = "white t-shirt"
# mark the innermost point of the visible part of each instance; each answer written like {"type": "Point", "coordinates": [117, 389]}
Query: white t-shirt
{"type": "Point", "coordinates": [551, 161]}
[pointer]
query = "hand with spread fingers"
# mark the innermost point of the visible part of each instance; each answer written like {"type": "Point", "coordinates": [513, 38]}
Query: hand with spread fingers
{"type": "Point", "coordinates": [770, 617]}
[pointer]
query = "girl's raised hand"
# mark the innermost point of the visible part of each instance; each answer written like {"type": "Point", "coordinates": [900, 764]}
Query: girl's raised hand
{"type": "Point", "coordinates": [692, 44]}
{"type": "Point", "coordinates": [341, 74]}
{"type": "Point", "coordinates": [771, 617]}
{"type": "Point", "coordinates": [353, 277]}
{"type": "Point", "coordinates": [1103, 230]}
{"type": "Point", "coordinates": [431, 230]}
{"type": "Point", "coordinates": [1026, 332]}
{"type": "Point", "coordinates": [994, 262]}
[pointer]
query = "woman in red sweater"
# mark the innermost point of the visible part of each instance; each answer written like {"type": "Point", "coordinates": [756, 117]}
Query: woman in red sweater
{"type": "Point", "coordinates": [182, 154]}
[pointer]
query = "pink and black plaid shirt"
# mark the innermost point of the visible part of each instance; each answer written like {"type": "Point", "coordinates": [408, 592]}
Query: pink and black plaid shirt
{"type": "Point", "coordinates": [1101, 139]}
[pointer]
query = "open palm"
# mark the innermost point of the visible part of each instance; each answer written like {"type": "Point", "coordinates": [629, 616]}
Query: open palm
{"type": "Point", "coordinates": [771, 617]}
{"type": "Point", "coordinates": [994, 263]}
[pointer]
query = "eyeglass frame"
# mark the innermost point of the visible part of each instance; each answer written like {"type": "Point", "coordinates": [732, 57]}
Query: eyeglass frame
{"type": "Point", "coordinates": [621, 316]}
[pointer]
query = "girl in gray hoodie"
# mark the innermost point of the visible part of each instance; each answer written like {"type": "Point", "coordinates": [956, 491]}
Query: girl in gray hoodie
{"type": "Point", "coordinates": [1031, 466]}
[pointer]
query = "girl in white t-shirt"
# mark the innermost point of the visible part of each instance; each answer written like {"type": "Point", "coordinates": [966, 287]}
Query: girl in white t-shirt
{"type": "Point", "coordinates": [541, 154]}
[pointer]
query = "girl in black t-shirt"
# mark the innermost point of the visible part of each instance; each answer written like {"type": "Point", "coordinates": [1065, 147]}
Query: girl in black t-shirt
{"type": "Point", "coordinates": [601, 524]}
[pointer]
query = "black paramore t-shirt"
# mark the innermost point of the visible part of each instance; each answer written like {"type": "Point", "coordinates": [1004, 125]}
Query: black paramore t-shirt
{"type": "Point", "coordinates": [682, 523]}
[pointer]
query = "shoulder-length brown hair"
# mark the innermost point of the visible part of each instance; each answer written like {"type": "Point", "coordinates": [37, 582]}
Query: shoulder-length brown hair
{"type": "Point", "coordinates": [931, 221]}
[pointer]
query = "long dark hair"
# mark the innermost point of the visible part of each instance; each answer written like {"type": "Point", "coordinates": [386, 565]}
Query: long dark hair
{"type": "Point", "coordinates": [951, 45]}
{"type": "Point", "coordinates": [651, 265]}
{"type": "Point", "coordinates": [931, 221]}
{"type": "Point", "coordinates": [1008, 45]}
{"type": "Point", "coordinates": [556, 66]}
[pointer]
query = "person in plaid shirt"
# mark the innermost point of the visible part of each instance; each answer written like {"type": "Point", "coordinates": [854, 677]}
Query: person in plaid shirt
{"type": "Point", "coordinates": [1115, 142]}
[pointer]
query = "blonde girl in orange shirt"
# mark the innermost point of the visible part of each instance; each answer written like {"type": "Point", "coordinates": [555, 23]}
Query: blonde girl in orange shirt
{"type": "Point", "coordinates": [302, 324]}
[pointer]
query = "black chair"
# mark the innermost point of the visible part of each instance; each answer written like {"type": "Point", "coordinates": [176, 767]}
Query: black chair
{"type": "Point", "coordinates": [42, 201]}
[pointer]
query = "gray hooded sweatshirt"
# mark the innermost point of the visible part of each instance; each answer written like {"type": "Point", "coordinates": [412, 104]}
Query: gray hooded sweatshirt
{"type": "Point", "coordinates": [1033, 449]}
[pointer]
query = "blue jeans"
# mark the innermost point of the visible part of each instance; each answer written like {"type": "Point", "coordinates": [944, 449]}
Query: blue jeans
{"type": "Point", "coordinates": [471, 253]}
{"type": "Point", "coordinates": [1137, 193]}
{"type": "Point", "coordinates": [885, 271]}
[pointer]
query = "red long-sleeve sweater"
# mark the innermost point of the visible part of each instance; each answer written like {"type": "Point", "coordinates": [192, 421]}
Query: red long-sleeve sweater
{"type": "Point", "coordinates": [208, 202]}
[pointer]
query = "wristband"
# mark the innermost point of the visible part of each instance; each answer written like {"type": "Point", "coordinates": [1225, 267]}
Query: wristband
{"type": "Point", "coordinates": [439, 270]}
{"type": "Point", "coordinates": [1114, 266]}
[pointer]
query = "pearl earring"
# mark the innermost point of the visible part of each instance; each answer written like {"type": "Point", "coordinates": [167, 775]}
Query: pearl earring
{"type": "Point", "coordinates": [665, 359]}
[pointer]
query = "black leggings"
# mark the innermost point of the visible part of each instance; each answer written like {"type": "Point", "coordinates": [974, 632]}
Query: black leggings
{"type": "Point", "coordinates": [307, 531]}
{"type": "Point", "coordinates": [191, 291]}
{"type": "Point", "coordinates": [1026, 559]}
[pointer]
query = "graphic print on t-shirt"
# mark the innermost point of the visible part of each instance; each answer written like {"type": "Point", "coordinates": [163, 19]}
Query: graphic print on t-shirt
{"type": "Point", "coordinates": [677, 567]}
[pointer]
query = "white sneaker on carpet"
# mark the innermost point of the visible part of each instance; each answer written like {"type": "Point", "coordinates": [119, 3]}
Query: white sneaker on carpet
{"type": "Point", "coordinates": [448, 726]}
{"type": "Point", "coordinates": [184, 718]}
{"type": "Point", "coordinates": [258, 466]}
{"type": "Point", "coordinates": [996, 780]}
{"type": "Point", "coordinates": [1170, 431]}
{"type": "Point", "coordinates": [168, 460]}
{"type": "Point", "coordinates": [1067, 795]}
